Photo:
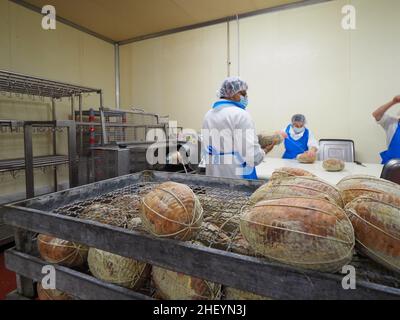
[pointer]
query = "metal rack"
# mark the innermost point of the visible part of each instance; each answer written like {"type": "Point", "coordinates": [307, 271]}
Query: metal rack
{"type": "Point", "coordinates": [114, 142]}
{"type": "Point", "coordinates": [14, 165]}
{"type": "Point", "coordinates": [38, 162]}
{"type": "Point", "coordinates": [11, 82]}
{"type": "Point", "coordinates": [24, 85]}
{"type": "Point", "coordinates": [126, 130]}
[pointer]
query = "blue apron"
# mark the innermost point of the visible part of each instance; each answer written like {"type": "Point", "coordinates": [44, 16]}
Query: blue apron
{"type": "Point", "coordinates": [250, 172]}
{"type": "Point", "coordinates": [394, 148]}
{"type": "Point", "coordinates": [295, 147]}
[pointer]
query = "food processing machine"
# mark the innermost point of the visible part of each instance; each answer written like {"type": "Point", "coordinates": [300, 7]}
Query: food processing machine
{"type": "Point", "coordinates": [117, 142]}
{"type": "Point", "coordinates": [120, 159]}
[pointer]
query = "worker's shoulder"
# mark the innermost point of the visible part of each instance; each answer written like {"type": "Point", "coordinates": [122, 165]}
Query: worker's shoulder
{"type": "Point", "coordinates": [228, 113]}
{"type": "Point", "coordinates": [226, 110]}
{"type": "Point", "coordinates": [234, 111]}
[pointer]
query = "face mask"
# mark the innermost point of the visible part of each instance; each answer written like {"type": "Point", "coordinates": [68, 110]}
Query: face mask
{"type": "Point", "coordinates": [244, 101]}
{"type": "Point", "coordinates": [298, 130]}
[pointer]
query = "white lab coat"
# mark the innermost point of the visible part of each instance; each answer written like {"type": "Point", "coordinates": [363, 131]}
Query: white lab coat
{"type": "Point", "coordinates": [390, 125]}
{"type": "Point", "coordinates": [237, 130]}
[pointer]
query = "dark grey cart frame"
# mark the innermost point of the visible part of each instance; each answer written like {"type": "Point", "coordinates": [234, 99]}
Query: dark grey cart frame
{"type": "Point", "coordinates": [233, 270]}
{"type": "Point", "coordinates": [29, 160]}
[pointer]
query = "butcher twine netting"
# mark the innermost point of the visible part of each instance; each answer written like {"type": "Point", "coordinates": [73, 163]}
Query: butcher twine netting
{"type": "Point", "coordinates": [288, 257]}
{"type": "Point", "coordinates": [78, 250]}
{"type": "Point", "coordinates": [187, 228]}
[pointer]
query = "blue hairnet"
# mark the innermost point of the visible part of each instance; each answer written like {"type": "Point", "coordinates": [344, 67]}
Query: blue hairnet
{"type": "Point", "coordinates": [232, 86]}
{"type": "Point", "coordinates": [299, 118]}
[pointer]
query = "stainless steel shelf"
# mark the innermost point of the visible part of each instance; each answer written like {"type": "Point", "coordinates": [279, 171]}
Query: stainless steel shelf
{"type": "Point", "coordinates": [32, 86]}
{"type": "Point", "coordinates": [20, 85]}
{"type": "Point", "coordinates": [11, 123]}
{"type": "Point", "coordinates": [38, 162]}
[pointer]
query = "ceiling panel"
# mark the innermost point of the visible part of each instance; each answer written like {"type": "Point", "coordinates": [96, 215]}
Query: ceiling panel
{"type": "Point", "coordinates": [124, 19]}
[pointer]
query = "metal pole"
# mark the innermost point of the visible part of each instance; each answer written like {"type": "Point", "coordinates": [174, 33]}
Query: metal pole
{"type": "Point", "coordinates": [80, 108]}
{"type": "Point", "coordinates": [229, 47]}
{"type": "Point", "coordinates": [101, 99]}
{"type": "Point", "coordinates": [104, 139]}
{"type": "Point", "coordinates": [238, 41]}
{"type": "Point", "coordinates": [24, 244]}
{"type": "Point", "coordinates": [73, 174]}
{"type": "Point", "coordinates": [81, 128]}
{"type": "Point", "coordinates": [73, 169]}
{"type": "Point", "coordinates": [117, 77]}
{"type": "Point", "coordinates": [29, 175]}
{"type": "Point", "coordinates": [72, 107]}
{"type": "Point", "coordinates": [53, 110]}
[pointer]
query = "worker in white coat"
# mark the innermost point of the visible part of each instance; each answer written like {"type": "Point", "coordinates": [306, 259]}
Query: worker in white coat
{"type": "Point", "coordinates": [230, 142]}
{"type": "Point", "coordinates": [391, 125]}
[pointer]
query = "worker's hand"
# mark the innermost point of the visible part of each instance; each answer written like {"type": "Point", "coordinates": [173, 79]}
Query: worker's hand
{"type": "Point", "coordinates": [268, 149]}
{"type": "Point", "coordinates": [283, 134]}
{"type": "Point", "coordinates": [396, 99]}
{"type": "Point", "coordinates": [311, 153]}
{"type": "Point", "coordinates": [175, 158]}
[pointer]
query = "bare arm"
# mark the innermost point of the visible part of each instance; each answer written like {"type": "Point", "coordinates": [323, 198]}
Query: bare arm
{"type": "Point", "coordinates": [379, 113]}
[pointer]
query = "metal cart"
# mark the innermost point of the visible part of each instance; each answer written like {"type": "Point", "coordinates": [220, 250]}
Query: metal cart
{"type": "Point", "coordinates": [55, 215]}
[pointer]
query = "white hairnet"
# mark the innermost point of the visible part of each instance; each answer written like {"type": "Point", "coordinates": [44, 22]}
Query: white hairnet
{"type": "Point", "coordinates": [232, 86]}
{"type": "Point", "coordinates": [299, 118]}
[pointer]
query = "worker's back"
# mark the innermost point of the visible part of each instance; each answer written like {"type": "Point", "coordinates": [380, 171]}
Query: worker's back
{"type": "Point", "coordinates": [229, 141]}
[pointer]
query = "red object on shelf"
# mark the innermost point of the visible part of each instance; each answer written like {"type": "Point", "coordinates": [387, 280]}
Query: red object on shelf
{"type": "Point", "coordinates": [7, 279]}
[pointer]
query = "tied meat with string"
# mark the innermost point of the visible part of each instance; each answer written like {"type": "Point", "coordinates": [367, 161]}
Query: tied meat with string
{"type": "Point", "coordinates": [267, 139]}
{"type": "Point", "coordinates": [355, 186]}
{"type": "Point", "coordinates": [172, 285]}
{"type": "Point", "coordinates": [333, 165]}
{"type": "Point", "coordinates": [297, 186]}
{"type": "Point", "coordinates": [307, 233]}
{"type": "Point", "coordinates": [62, 252]}
{"type": "Point", "coordinates": [306, 158]}
{"type": "Point", "coordinates": [376, 222]}
{"type": "Point", "coordinates": [290, 172]}
{"type": "Point", "coordinates": [118, 270]}
{"type": "Point", "coordinates": [172, 210]}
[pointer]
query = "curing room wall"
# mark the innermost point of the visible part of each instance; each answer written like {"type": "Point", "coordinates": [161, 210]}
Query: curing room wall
{"type": "Point", "coordinates": [64, 54]}
{"type": "Point", "coordinates": [299, 60]}
{"type": "Point", "coordinates": [176, 75]}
